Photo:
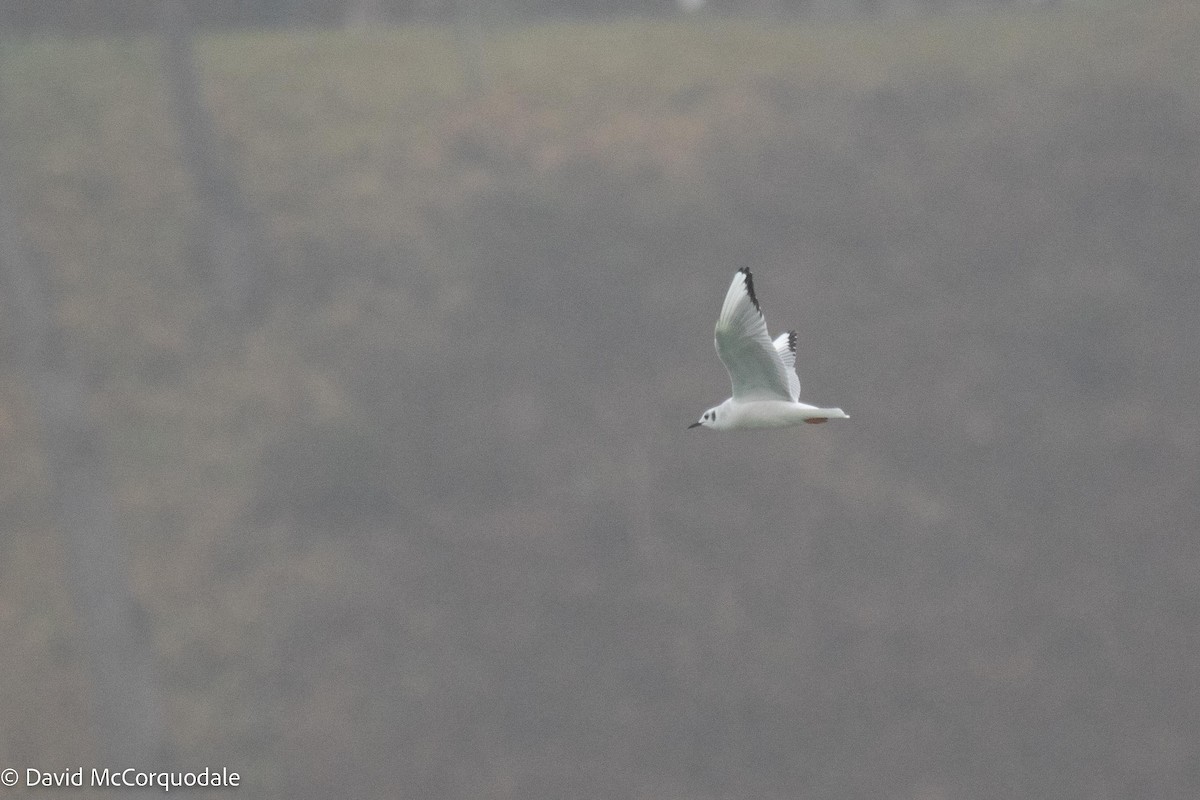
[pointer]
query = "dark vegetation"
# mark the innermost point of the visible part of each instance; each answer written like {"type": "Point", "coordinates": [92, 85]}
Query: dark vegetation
{"type": "Point", "coordinates": [434, 527]}
{"type": "Point", "coordinates": [107, 16]}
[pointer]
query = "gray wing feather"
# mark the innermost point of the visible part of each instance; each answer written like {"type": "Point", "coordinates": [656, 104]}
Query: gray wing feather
{"type": "Point", "coordinates": [785, 345]}
{"type": "Point", "coordinates": [755, 366]}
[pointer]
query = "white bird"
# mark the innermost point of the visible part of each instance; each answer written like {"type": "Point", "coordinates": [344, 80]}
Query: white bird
{"type": "Point", "coordinates": [766, 388]}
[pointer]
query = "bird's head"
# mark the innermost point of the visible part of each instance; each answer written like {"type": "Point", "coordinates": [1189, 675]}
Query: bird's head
{"type": "Point", "coordinates": [708, 419]}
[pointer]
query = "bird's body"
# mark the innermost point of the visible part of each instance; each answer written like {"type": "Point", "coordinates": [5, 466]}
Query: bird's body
{"type": "Point", "coordinates": [766, 388]}
{"type": "Point", "coordinates": [732, 415]}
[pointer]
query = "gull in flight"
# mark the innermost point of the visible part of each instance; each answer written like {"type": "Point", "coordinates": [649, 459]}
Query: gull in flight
{"type": "Point", "coordinates": [766, 388]}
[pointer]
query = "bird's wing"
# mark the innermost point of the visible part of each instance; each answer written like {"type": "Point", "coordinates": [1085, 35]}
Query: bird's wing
{"type": "Point", "coordinates": [785, 345]}
{"type": "Point", "coordinates": [755, 367]}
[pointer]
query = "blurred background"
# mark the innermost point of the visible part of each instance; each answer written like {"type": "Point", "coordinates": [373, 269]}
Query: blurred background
{"type": "Point", "coordinates": [348, 347]}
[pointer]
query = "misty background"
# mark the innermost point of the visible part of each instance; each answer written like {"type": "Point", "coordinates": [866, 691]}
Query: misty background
{"type": "Point", "coordinates": [348, 347]}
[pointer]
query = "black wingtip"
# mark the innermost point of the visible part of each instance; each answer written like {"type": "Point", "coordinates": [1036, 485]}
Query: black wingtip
{"type": "Point", "coordinates": [792, 341]}
{"type": "Point", "coordinates": [750, 286]}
